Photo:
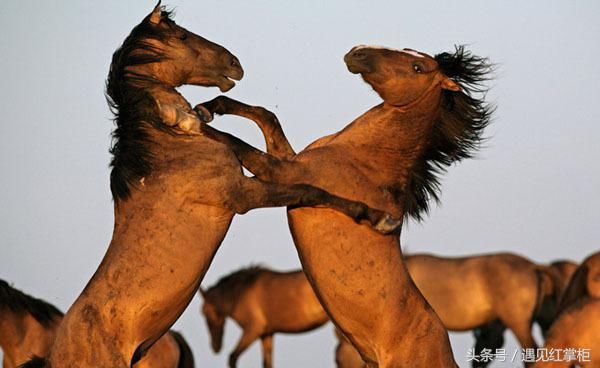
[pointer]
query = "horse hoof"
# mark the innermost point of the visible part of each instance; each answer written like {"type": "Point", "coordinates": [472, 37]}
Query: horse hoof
{"type": "Point", "coordinates": [388, 224]}
{"type": "Point", "coordinates": [203, 113]}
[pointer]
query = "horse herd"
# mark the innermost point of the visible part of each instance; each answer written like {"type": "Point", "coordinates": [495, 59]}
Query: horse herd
{"type": "Point", "coordinates": [177, 183]}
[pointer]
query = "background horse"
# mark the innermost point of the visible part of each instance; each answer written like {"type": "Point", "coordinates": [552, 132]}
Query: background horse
{"type": "Point", "coordinates": [390, 158]}
{"type": "Point", "coordinates": [28, 327]}
{"type": "Point", "coordinates": [577, 329]}
{"type": "Point", "coordinates": [175, 189]}
{"type": "Point", "coordinates": [486, 292]}
{"type": "Point", "coordinates": [262, 302]}
{"type": "Point", "coordinates": [578, 324]}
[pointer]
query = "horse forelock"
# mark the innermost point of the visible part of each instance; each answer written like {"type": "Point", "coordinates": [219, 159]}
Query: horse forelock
{"type": "Point", "coordinates": [133, 107]}
{"type": "Point", "coordinates": [21, 303]}
{"type": "Point", "coordinates": [457, 134]}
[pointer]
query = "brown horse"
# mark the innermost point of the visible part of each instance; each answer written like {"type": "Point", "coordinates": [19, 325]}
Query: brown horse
{"type": "Point", "coordinates": [390, 158]}
{"type": "Point", "coordinates": [262, 302]}
{"type": "Point", "coordinates": [585, 282]}
{"type": "Point", "coordinates": [176, 190]}
{"type": "Point", "coordinates": [487, 293]}
{"type": "Point", "coordinates": [575, 334]}
{"type": "Point", "coordinates": [28, 327]}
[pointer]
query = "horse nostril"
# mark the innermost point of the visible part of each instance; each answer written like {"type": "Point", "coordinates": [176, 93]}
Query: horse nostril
{"type": "Point", "coordinates": [235, 62]}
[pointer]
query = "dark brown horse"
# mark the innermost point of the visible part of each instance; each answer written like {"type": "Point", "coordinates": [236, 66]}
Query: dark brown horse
{"type": "Point", "coordinates": [176, 190]}
{"type": "Point", "coordinates": [432, 115]}
{"type": "Point", "coordinates": [28, 327]}
{"type": "Point", "coordinates": [262, 302]}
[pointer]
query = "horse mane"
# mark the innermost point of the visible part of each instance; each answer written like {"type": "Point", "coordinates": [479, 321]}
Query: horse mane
{"type": "Point", "coordinates": [21, 303]}
{"type": "Point", "coordinates": [35, 362]}
{"type": "Point", "coordinates": [237, 281]}
{"type": "Point", "coordinates": [132, 106]}
{"type": "Point", "coordinates": [457, 134]}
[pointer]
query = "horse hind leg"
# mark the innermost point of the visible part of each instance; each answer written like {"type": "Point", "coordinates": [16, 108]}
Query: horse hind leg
{"type": "Point", "coordinates": [267, 350]}
{"type": "Point", "coordinates": [490, 336]}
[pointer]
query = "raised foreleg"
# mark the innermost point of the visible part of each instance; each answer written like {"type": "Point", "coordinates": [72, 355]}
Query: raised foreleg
{"type": "Point", "coordinates": [250, 193]}
{"type": "Point", "coordinates": [276, 141]}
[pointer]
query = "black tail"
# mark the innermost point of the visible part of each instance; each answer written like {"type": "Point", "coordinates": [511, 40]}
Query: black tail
{"type": "Point", "coordinates": [35, 362]}
{"type": "Point", "coordinates": [186, 357]}
{"type": "Point", "coordinates": [576, 290]}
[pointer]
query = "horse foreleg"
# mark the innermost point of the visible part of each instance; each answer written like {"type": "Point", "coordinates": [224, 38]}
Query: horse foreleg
{"type": "Point", "coordinates": [267, 350]}
{"type": "Point", "coordinates": [249, 335]}
{"type": "Point", "coordinates": [253, 193]}
{"type": "Point", "coordinates": [276, 141]}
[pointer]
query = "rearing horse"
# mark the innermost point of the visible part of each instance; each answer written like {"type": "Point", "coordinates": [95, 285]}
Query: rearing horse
{"type": "Point", "coordinates": [389, 158]}
{"type": "Point", "coordinates": [176, 190]}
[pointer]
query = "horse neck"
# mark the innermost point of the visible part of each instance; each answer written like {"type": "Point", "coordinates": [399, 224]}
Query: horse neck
{"type": "Point", "coordinates": [22, 334]}
{"type": "Point", "coordinates": [389, 139]}
{"type": "Point", "coordinates": [225, 301]}
{"type": "Point", "coordinates": [12, 330]}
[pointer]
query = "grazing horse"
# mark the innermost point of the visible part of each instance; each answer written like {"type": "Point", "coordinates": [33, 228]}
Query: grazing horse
{"type": "Point", "coordinates": [176, 189]}
{"type": "Point", "coordinates": [262, 302]}
{"type": "Point", "coordinates": [575, 337]}
{"type": "Point", "coordinates": [390, 157]}
{"type": "Point", "coordinates": [28, 327]}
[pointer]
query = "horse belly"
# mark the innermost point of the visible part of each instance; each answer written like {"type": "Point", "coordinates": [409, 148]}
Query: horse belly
{"type": "Point", "coordinates": [358, 274]}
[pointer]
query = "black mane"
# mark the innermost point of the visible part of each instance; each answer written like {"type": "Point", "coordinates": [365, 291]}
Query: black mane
{"type": "Point", "coordinates": [237, 281]}
{"type": "Point", "coordinates": [133, 108]}
{"type": "Point", "coordinates": [459, 131]}
{"type": "Point", "coordinates": [21, 303]}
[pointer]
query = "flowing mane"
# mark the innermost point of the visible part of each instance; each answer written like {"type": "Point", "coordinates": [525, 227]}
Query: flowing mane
{"type": "Point", "coordinates": [459, 131]}
{"type": "Point", "coordinates": [237, 281]}
{"type": "Point", "coordinates": [133, 108]}
{"type": "Point", "coordinates": [21, 303]}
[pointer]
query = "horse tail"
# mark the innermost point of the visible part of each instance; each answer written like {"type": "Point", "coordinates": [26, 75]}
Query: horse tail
{"type": "Point", "coordinates": [186, 357]}
{"type": "Point", "coordinates": [576, 289]}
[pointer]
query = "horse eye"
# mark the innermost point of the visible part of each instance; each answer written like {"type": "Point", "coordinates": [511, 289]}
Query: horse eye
{"type": "Point", "coordinates": [417, 68]}
{"type": "Point", "coordinates": [183, 37]}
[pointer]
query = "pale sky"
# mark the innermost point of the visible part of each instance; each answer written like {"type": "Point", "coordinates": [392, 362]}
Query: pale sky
{"type": "Point", "coordinates": [532, 190]}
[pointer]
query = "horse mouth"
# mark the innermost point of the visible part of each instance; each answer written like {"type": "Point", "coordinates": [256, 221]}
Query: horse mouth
{"type": "Point", "coordinates": [227, 81]}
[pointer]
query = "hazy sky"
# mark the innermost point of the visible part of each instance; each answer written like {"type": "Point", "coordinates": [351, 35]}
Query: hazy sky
{"type": "Point", "coordinates": [533, 190]}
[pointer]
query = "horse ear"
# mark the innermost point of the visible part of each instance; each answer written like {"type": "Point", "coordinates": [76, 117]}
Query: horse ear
{"type": "Point", "coordinates": [450, 85]}
{"type": "Point", "coordinates": [156, 14]}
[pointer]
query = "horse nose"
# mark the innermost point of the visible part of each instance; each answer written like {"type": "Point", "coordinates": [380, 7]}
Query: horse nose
{"type": "Point", "coordinates": [235, 67]}
{"type": "Point", "coordinates": [357, 53]}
